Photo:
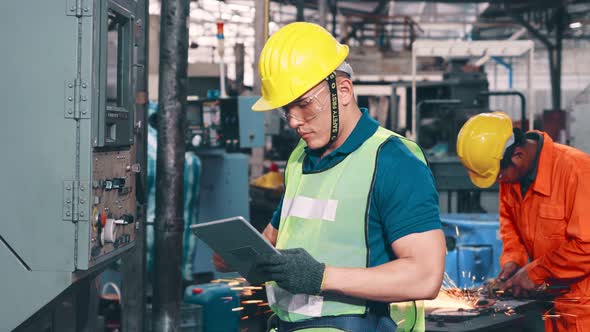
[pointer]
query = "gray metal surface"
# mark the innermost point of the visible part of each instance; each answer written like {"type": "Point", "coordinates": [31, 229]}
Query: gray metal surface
{"type": "Point", "coordinates": [36, 161]}
{"type": "Point", "coordinates": [224, 194]}
{"type": "Point", "coordinates": [251, 123]}
{"type": "Point", "coordinates": [50, 89]}
{"type": "Point", "coordinates": [522, 315]}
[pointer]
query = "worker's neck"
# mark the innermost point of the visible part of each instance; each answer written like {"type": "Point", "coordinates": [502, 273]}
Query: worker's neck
{"type": "Point", "coordinates": [349, 117]}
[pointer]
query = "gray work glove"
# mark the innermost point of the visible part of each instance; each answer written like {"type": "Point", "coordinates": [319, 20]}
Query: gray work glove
{"type": "Point", "coordinates": [294, 270]}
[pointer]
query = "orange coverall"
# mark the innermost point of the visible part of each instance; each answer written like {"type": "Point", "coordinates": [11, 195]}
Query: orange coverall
{"type": "Point", "coordinates": [551, 227]}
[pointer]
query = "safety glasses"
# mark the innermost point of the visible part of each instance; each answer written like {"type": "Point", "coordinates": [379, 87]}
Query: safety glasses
{"type": "Point", "coordinates": [309, 109]}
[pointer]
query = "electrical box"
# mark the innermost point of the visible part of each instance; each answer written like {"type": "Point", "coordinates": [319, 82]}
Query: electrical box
{"type": "Point", "coordinates": [227, 123]}
{"type": "Point", "coordinates": [69, 166]}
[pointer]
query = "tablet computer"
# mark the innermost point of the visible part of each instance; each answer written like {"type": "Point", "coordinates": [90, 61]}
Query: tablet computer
{"type": "Point", "coordinates": [236, 241]}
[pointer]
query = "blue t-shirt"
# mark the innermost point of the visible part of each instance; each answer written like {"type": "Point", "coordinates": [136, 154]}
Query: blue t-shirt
{"type": "Point", "coordinates": [404, 199]}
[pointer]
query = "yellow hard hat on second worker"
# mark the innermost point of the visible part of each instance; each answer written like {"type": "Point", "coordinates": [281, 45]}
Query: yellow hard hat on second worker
{"type": "Point", "coordinates": [481, 144]}
{"type": "Point", "coordinates": [294, 60]}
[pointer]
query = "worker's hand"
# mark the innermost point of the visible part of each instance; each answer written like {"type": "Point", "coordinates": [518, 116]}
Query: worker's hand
{"type": "Point", "coordinates": [294, 270]}
{"type": "Point", "coordinates": [220, 264]}
{"type": "Point", "coordinates": [508, 270]}
{"type": "Point", "coordinates": [521, 285]}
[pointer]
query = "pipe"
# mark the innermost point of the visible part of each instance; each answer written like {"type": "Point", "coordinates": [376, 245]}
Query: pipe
{"type": "Point", "coordinates": [512, 93]}
{"type": "Point", "coordinates": [322, 11]}
{"type": "Point", "coordinates": [300, 5]}
{"type": "Point", "coordinates": [334, 16]}
{"type": "Point", "coordinates": [239, 53]}
{"type": "Point", "coordinates": [508, 66]}
{"type": "Point", "coordinates": [170, 166]}
{"type": "Point", "coordinates": [261, 20]}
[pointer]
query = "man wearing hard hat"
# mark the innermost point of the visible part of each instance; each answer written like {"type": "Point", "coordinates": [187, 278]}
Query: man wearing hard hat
{"type": "Point", "coordinates": [358, 225]}
{"type": "Point", "coordinates": [544, 187]}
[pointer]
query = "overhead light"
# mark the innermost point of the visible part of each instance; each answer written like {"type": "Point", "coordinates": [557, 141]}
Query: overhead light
{"type": "Point", "coordinates": [575, 25]}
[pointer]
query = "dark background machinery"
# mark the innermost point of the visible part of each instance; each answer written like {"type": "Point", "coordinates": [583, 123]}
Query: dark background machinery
{"type": "Point", "coordinates": [442, 109]}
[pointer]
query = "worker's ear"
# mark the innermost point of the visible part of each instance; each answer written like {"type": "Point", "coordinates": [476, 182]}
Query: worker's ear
{"type": "Point", "coordinates": [518, 155]}
{"type": "Point", "coordinates": [345, 91]}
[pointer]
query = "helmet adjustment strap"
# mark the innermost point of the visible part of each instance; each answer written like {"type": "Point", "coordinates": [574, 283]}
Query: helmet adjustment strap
{"type": "Point", "coordinates": [335, 118]}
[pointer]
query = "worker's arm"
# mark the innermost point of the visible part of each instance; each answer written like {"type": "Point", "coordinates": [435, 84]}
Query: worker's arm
{"type": "Point", "coordinates": [415, 274]}
{"type": "Point", "coordinates": [271, 233]}
{"type": "Point", "coordinates": [406, 202]}
{"type": "Point", "coordinates": [513, 248]}
{"type": "Point", "coordinates": [572, 259]}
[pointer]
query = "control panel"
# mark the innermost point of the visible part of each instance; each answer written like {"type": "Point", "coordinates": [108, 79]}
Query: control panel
{"type": "Point", "coordinates": [227, 123]}
{"type": "Point", "coordinates": [114, 205]}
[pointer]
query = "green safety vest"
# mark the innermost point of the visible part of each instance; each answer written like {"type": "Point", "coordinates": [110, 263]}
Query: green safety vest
{"type": "Point", "coordinates": [327, 214]}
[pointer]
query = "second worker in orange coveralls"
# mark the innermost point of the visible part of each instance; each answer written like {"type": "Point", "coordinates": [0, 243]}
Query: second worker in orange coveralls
{"type": "Point", "coordinates": [544, 211]}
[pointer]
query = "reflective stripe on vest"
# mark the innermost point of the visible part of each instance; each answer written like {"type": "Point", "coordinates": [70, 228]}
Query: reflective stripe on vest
{"type": "Point", "coordinates": [327, 214]}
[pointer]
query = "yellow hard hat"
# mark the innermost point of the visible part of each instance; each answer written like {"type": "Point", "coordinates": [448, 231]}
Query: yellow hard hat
{"type": "Point", "coordinates": [295, 59]}
{"type": "Point", "coordinates": [481, 144]}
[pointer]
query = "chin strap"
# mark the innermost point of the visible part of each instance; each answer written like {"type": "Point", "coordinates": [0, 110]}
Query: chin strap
{"type": "Point", "coordinates": [335, 118]}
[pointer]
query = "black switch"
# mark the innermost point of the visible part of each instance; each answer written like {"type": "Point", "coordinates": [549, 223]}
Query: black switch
{"type": "Point", "coordinates": [113, 184]}
{"type": "Point", "coordinates": [118, 183]}
{"type": "Point", "coordinates": [127, 218]}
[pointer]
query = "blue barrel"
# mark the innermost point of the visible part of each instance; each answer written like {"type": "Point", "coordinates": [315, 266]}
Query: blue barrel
{"type": "Point", "coordinates": [220, 306]}
{"type": "Point", "coordinates": [474, 248]}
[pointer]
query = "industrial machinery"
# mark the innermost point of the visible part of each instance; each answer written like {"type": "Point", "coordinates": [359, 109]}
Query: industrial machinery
{"type": "Point", "coordinates": [473, 248]}
{"type": "Point", "coordinates": [442, 109]}
{"type": "Point", "coordinates": [438, 112]}
{"type": "Point", "coordinates": [221, 132]}
{"type": "Point", "coordinates": [226, 123]}
{"type": "Point", "coordinates": [70, 169]}
{"type": "Point", "coordinates": [487, 314]}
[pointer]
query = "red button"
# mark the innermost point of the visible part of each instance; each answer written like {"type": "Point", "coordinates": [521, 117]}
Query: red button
{"type": "Point", "coordinates": [103, 218]}
{"type": "Point", "coordinates": [197, 291]}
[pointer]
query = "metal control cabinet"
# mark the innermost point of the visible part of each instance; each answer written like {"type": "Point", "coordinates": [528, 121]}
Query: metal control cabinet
{"type": "Point", "coordinates": [69, 167]}
{"type": "Point", "coordinates": [227, 123]}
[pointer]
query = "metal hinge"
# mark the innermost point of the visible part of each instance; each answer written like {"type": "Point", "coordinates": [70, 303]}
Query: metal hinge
{"type": "Point", "coordinates": [68, 199]}
{"type": "Point", "coordinates": [78, 8]}
{"type": "Point", "coordinates": [76, 95]}
{"type": "Point", "coordinates": [75, 200]}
